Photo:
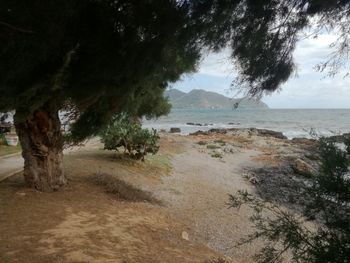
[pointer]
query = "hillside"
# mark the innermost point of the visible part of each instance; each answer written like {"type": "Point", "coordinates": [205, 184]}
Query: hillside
{"type": "Point", "coordinates": [202, 99]}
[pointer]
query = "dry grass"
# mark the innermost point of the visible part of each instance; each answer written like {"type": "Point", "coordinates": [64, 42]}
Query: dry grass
{"type": "Point", "coordinates": [7, 150]}
{"type": "Point", "coordinates": [218, 260]}
{"type": "Point", "coordinates": [122, 190]}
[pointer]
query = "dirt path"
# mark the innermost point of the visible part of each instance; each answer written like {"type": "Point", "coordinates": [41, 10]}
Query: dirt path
{"type": "Point", "coordinates": [197, 191]}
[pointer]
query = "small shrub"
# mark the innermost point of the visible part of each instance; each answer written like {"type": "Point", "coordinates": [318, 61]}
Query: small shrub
{"type": "Point", "coordinates": [126, 132]}
{"type": "Point", "coordinates": [216, 155]}
{"type": "Point", "coordinates": [212, 146]}
{"type": "Point", "coordinates": [2, 139]}
{"type": "Point", "coordinates": [202, 143]}
{"type": "Point", "coordinates": [347, 144]}
{"type": "Point", "coordinates": [328, 203]}
{"type": "Point", "coordinates": [220, 142]}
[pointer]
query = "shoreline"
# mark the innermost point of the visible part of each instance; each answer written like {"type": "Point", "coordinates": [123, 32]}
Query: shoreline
{"type": "Point", "coordinates": [294, 123]}
{"type": "Point", "coordinates": [291, 134]}
{"type": "Point", "coordinates": [254, 131]}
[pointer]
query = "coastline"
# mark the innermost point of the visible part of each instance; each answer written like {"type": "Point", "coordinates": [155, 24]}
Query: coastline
{"type": "Point", "coordinates": [293, 123]}
{"type": "Point", "coordinates": [191, 176]}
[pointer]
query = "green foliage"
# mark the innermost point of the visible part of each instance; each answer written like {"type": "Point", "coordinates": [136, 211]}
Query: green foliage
{"type": "Point", "coordinates": [212, 146]}
{"type": "Point", "coordinates": [105, 57]}
{"type": "Point", "coordinates": [221, 142]}
{"type": "Point", "coordinates": [127, 132]}
{"type": "Point", "coordinates": [108, 57]}
{"type": "Point", "coordinates": [2, 139]}
{"type": "Point", "coordinates": [328, 238]}
{"type": "Point", "coordinates": [347, 144]}
{"type": "Point", "coordinates": [216, 155]}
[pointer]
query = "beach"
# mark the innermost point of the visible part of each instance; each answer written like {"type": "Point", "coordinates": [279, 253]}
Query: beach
{"type": "Point", "coordinates": [179, 211]}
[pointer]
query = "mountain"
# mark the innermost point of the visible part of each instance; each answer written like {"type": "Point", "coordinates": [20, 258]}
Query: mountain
{"type": "Point", "coordinates": [202, 99]}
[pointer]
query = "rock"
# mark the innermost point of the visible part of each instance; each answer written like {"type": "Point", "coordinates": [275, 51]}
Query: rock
{"type": "Point", "coordinates": [184, 235]}
{"type": "Point", "coordinates": [190, 123]}
{"type": "Point", "coordinates": [253, 180]}
{"type": "Point", "coordinates": [234, 123]}
{"type": "Point", "coordinates": [303, 168]}
{"type": "Point", "coordinates": [230, 149]}
{"type": "Point", "coordinates": [199, 133]}
{"type": "Point", "coordinates": [175, 130]}
{"type": "Point", "coordinates": [269, 133]}
{"type": "Point", "coordinates": [340, 138]}
{"type": "Point", "coordinates": [313, 156]}
{"type": "Point", "coordinates": [304, 141]}
{"type": "Point", "coordinates": [221, 131]}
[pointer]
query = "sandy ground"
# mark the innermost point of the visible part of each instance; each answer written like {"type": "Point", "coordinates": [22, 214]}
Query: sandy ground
{"type": "Point", "coordinates": [83, 223]}
{"type": "Point", "coordinates": [198, 191]}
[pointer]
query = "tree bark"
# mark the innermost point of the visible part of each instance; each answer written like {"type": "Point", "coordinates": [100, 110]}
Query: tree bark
{"type": "Point", "coordinates": [42, 148]}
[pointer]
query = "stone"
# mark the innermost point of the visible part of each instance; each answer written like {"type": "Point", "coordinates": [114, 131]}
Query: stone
{"type": "Point", "coordinates": [184, 235]}
{"type": "Point", "coordinates": [219, 131]}
{"type": "Point", "coordinates": [253, 180]}
{"type": "Point", "coordinates": [303, 168]}
{"type": "Point", "coordinates": [304, 141]}
{"type": "Point", "coordinates": [175, 130]}
{"type": "Point", "coordinates": [269, 133]}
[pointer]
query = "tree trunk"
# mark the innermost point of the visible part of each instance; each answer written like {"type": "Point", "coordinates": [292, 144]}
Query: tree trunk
{"type": "Point", "coordinates": [42, 148]}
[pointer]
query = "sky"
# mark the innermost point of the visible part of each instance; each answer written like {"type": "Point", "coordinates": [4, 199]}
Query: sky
{"type": "Point", "coordinates": [305, 89]}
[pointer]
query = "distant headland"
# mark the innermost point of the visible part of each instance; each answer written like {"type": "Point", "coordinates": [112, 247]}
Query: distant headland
{"type": "Point", "coordinates": [201, 99]}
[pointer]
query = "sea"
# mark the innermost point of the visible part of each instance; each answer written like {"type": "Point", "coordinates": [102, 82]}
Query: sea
{"type": "Point", "coordinates": [293, 123]}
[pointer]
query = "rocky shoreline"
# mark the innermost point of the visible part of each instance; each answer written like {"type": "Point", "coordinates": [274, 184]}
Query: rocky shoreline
{"type": "Point", "coordinates": [289, 164]}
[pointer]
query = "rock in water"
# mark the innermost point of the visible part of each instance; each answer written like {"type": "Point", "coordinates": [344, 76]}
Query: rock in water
{"type": "Point", "coordinates": [269, 133]}
{"type": "Point", "coordinates": [303, 168]}
{"type": "Point", "coordinates": [175, 130]}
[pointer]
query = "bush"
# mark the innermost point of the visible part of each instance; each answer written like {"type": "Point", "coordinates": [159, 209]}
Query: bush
{"type": "Point", "coordinates": [212, 146]}
{"type": "Point", "coordinates": [216, 155]}
{"type": "Point", "coordinates": [202, 143]}
{"type": "Point", "coordinates": [126, 132]}
{"type": "Point", "coordinates": [221, 142]}
{"type": "Point", "coordinates": [347, 144]}
{"type": "Point", "coordinates": [2, 139]}
{"type": "Point", "coordinates": [328, 201]}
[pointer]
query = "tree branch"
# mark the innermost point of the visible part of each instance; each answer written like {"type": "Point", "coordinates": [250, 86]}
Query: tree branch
{"type": "Point", "coordinates": [15, 28]}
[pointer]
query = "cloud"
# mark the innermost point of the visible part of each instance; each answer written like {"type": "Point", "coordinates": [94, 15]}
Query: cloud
{"type": "Point", "coordinates": [310, 89]}
{"type": "Point", "coordinates": [217, 65]}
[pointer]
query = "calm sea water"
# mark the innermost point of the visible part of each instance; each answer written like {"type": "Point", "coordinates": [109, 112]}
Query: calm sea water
{"type": "Point", "coordinates": [292, 122]}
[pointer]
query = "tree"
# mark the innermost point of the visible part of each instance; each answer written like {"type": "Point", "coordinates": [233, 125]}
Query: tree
{"type": "Point", "coordinates": [98, 56]}
{"type": "Point", "coordinates": [328, 200]}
